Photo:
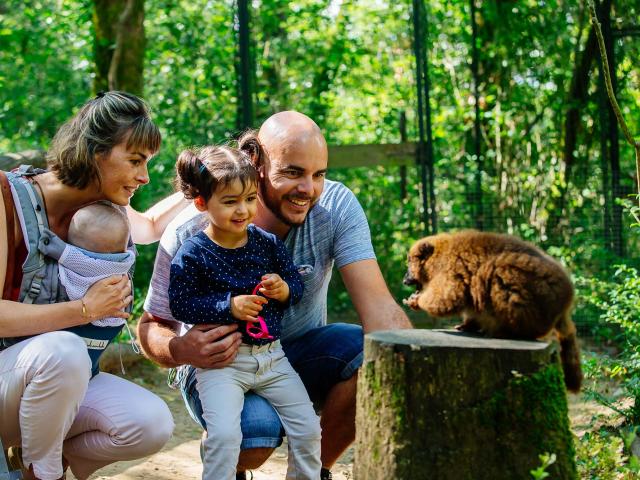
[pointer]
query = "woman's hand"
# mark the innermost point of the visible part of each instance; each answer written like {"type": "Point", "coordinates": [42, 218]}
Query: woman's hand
{"type": "Point", "coordinates": [108, 298]}
{"type": "Point", "coordinates": [274, 287]}
{"type": "Point", "coordinates": [247, 307]}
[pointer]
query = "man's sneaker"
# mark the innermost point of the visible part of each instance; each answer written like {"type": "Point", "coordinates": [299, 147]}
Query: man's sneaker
{"type": "Point", "coordinates": [243, 476]}
{"type": "Point", "coordinates": [325, 474]}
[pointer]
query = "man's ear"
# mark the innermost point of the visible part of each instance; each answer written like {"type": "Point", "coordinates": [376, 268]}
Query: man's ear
{"type": "Point", "coordinates": [425, 251]}
{"type": "Point", "coordinates": [200, 203]}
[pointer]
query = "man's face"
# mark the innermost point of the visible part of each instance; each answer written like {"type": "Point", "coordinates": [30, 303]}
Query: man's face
{"type": "Point", "coordinates": [292, 181]}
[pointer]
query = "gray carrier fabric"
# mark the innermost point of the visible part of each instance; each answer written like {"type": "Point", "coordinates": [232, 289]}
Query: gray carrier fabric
{"type": "Point", "coordinates": [39, 278]}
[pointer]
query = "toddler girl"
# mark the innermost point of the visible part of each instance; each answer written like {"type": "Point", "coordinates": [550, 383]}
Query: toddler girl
{"type": "Point", "coordinates": [234, 271]}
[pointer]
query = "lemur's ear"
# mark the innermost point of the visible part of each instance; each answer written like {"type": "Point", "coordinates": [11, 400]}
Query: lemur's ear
{"type": "Point", "coordinates": [425, 250]}
{"type": "Point", "coordinates": [200, 203]}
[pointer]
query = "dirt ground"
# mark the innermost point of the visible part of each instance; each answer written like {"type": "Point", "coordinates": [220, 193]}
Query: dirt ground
{"type": "Point", "coordinates": [180, 459]}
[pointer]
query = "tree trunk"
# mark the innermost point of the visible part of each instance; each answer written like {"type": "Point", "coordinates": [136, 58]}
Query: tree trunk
{"type": "Point", "coordinates": [119, 45]}
{"type": "Point", "coordinates": [439, 404]}
{"type": "Point", "coordinates": [577, 100]}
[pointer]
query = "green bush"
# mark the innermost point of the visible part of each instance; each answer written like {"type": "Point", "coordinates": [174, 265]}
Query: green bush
{"type": "Point", "coordinates": [601, 456]}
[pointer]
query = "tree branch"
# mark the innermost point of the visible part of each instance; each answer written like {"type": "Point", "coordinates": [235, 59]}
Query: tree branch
{"type": "Point", "coordinates": [612, 98]}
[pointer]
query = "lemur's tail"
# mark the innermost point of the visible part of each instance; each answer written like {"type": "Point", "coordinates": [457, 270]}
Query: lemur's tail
{"type": "Point", "coordinates": [570, 352]}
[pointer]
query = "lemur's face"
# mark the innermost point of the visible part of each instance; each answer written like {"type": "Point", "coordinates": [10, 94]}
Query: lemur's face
{"type": "Point", "coordinates": [417, 271]}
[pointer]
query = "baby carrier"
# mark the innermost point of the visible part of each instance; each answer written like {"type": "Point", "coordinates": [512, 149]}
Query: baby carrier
{"type": "Point", "coordinates": [40, 281]}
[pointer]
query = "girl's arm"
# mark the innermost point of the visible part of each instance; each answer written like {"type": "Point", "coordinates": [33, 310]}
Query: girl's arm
{"type": "Point", "coordinates": [147, 227]}
{"type": "Point", "coordinates": [19, 319]}
{"type": "Point", "coordinates": [193, 298]}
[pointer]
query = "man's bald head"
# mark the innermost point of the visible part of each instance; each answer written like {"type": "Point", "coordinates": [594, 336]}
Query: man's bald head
{"type": "Point", "coordinates": [291, 131]}
{"type": "Point", "coordinates": [291, 156]}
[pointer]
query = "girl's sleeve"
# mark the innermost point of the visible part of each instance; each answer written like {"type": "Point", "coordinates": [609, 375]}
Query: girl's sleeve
{"type": "Point", "coordinates": [191, 298]}
{"type": "Point", "coordinates": [289, 273]}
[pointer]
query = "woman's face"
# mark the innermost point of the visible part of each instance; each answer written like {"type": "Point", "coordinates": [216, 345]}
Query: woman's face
{"type": "Point", "coordinates": [123, 171]}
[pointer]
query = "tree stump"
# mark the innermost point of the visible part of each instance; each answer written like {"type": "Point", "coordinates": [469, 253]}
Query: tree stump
{"type": "Point", "coordinates": [441, 404]}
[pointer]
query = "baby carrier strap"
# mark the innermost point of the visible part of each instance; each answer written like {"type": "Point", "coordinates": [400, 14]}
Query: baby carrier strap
{"type": "Point", "coordinates": [8, 209]}
{"type": "Point", "coordinates": [34, 221]}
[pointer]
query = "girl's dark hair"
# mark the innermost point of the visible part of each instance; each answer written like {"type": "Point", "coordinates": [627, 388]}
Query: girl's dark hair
{"type": "Point", "coordinates": [202, 170]}
{"type": "Point", "coordinates": [101, 124]}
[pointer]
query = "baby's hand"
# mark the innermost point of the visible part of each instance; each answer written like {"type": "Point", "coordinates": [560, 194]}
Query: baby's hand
{"type": "Point", "coordinates": [247, 307]}
{"type": "Point", "coordinates": [274, 287]}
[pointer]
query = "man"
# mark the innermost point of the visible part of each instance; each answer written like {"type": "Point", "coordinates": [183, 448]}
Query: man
{"type": "Point", "coordinates": [322, 224]}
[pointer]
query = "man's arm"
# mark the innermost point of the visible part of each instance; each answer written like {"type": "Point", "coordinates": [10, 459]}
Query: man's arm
{"type": "Point", "coordinates": [203, 346]}
{"type": "Point", "coordinates": [376, 308]}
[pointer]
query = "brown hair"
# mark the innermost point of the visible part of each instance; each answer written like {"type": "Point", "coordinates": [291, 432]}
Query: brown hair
{"type": "Point", "coordinates": [101, 124]}
{"type": "Point", "coordinates": [200, 171]}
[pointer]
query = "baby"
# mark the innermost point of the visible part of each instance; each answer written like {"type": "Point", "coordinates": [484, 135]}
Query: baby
{"type": "Point", "coordinates": [97, 248]}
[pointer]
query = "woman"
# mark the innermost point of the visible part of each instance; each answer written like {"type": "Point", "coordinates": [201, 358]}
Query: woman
{"type": "Point", "coordinates": [49, 402]}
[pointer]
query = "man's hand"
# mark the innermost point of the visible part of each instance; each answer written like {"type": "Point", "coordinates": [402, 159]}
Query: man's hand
{"type": "Point", "coordinates": [274, 287]}
{"type": "Point", "coordinates": [206, 346]}
{"type": "Point", "coordinates": [247, 307]}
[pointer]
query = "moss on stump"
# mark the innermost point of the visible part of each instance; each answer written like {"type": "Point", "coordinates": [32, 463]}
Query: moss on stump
{"type": "Point", "coordinates": [440, 404]}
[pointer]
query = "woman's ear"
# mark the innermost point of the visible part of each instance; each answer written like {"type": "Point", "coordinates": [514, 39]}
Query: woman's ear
{"type": "Point", "coordinates": [200, 203]}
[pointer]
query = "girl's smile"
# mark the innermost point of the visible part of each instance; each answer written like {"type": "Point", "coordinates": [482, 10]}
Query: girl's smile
{"type": "Point", "coordinates": [231, 209]}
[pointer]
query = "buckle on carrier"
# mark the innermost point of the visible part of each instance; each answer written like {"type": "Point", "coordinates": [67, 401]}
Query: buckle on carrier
{"type": "Point", "coordinates": [34, 290]}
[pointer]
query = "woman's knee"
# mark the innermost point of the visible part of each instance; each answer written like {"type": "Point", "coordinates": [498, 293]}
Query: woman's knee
{"type": "Point", "coordinates": [155, 426]}
{"type": "Point", "coordinates": [63, 354]}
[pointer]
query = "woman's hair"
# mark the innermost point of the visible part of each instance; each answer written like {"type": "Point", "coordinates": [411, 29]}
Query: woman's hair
{"type": "Point", "coordinates": [102, 123]}
{"type": "Point", "coordinates": [202, 170]}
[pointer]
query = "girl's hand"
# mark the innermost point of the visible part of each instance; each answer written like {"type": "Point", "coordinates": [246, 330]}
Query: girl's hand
{"type": "Point", "coordinates": [247, 307]}
{"type": "Point", "coordinates": [274, 287]}
{"type": "Point", "coordinates": [108, 298]}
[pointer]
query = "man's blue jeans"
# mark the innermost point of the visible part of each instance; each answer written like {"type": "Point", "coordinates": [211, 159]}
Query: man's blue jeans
{"type": "Point", "coordinates": [322, 357]}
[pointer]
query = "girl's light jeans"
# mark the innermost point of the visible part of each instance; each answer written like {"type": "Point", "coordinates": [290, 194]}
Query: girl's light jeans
{"type": "Point", "coordinates": [266, 371]}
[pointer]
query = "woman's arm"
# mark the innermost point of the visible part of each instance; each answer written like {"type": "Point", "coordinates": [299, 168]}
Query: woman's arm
{"type": "Point", "coordinates": [147, 227]}
{"type": "Point", "coordinates": [105, 298]}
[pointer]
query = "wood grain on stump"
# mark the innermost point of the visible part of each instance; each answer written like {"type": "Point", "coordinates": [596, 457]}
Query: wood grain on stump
{"type": "Point", "coordinates": [440, 404]}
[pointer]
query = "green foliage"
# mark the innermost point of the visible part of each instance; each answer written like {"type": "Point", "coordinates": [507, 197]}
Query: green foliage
{"type": "Point", "coordinates": [546, 461]}
{"type": "Point", "coordinates": [45, 68]}
{"type": "Point", "coordinates": [350, 66]}
{"type": "Point", "coordinates": [618, 300]}
{"type": "Point", "coordinates": [602, 455]}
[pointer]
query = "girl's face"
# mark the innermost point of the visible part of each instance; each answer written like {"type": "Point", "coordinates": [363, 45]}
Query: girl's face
{"type": "Point", "coordinates": [232, 208]}
{"type": "Point", "coordinates": [123, 171]}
